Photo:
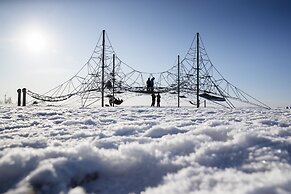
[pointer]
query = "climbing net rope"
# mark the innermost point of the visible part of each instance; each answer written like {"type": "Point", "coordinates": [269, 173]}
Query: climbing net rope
{"type": "Point", "coordinates": [105, 73]}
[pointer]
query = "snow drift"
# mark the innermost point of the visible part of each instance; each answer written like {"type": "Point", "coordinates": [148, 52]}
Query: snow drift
{"type": "Point", "coordinates": [144, 150]}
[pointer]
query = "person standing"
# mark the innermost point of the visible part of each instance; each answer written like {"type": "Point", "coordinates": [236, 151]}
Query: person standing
{"type": "Point", "coordinates": [153, 99]}
{"type": "Point", "coordinates": [149, 84]}
{"type": "Point", "coordinates": [152, 83]}
{"type": "Point", "coordinates": [158, 100]}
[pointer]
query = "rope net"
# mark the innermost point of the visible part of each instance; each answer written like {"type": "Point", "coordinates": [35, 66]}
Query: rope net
{"type": "Point", "coordinates": [122, 81]}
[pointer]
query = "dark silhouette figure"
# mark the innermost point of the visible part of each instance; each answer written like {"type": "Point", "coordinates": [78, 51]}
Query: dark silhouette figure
{"type": "Point", "coordinates": [149, 84]}
{"type": "Point", "coordinates": [153, 99]}
{"type": "Point", "coordinates": [152, 83]}
{"type": "Point", "coordinates": [114, 100]}
{"type": "Point", "coordinates": [108, 84]}
{"type": "Point", "coordinates": [158, 100]}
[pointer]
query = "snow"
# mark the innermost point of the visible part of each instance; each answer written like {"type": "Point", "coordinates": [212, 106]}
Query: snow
{"type": "Point", "coordinates": [145, 150]}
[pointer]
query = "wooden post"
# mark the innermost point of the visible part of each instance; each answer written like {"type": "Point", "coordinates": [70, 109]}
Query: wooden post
{"type": "Point", "coordinates": [23, 96]}
{"type": "Point", "coordinates": [19, 97]}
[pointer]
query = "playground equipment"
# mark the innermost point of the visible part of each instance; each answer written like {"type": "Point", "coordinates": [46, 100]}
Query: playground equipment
{"type": "Point", "coordinates": [106, 76]}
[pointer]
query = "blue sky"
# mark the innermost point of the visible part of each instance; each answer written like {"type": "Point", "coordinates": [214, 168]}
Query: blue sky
{"type": "Point", "coordinates": [248, 41]}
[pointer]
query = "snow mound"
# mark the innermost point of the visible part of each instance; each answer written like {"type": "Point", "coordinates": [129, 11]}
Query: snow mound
{"type": "Point", "coordinates": [158, 132]}
{"type": "Point", "coordinates": [144, 150]}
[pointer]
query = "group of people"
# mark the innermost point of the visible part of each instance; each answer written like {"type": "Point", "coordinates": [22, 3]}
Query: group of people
{"type": "Point", "coordinates": [158, 96]}
{"type": "Point", "coordinates": [150, 84]}
{"type": "Point", "coordinates": [150, 88]}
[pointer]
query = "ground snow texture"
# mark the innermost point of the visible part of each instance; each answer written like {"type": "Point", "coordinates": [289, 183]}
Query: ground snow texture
{"type": "Point", "coordinates": [144, 150]}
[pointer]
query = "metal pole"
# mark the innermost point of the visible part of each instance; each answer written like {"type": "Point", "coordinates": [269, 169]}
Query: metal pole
{"type": "Point", "coordinates": [197, 67]}
{"type": "Point", "coordinates": [102, 76]}
{"type": "Point", "coordinates": [178, 81]}
{"type": "Point", "coordinates": [113, 78]}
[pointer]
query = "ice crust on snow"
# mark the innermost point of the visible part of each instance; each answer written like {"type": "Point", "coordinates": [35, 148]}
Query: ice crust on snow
{"type": "Point", "coordinates": [144, 150]}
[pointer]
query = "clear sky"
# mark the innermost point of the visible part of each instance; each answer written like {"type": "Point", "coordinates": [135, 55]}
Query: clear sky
{"type": "Point", "coordinates": [44, 43]}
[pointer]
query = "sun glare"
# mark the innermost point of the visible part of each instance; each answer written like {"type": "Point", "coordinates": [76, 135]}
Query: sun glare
{"type": "Point", "coordinates": [35, 41]}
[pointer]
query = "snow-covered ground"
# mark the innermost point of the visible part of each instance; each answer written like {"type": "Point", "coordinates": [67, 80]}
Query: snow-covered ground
{"type": "Point", "coordinates": [145, 150]}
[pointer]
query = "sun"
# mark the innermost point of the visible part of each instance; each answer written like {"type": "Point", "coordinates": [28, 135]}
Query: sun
{"type": "Point", "coordinates": [35, 41]}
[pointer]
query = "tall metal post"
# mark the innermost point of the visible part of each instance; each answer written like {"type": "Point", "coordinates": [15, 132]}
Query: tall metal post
{"type": "Point", "coordinates": [178, 81]}
{"type": "Point", "coordinates": [113, 79]}
{"type": "Point", "coordinates": [103, 66]}
{"type": "Point", "coordinates": [197, 68]}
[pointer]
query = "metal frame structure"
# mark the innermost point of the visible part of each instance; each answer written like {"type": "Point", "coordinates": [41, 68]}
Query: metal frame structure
{"type": "Point", "coordinates": [106, 76]}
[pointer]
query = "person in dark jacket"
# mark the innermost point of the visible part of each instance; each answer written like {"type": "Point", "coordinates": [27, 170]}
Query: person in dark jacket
{"type": "Point", "coordinates": [152, 83]}
{"type": "Point", "coordinates": [158, 100]}
{"type": "Point", "coordinates": [153, 99]}
{"type": "Point", "coordinates": [149, 84]}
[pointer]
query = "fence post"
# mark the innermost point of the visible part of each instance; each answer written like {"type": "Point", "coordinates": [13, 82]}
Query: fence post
{"type": "Point", "coordinates": [24, 97]}
{"type": "Point", "coordinates": [19, 97]}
